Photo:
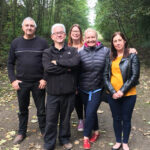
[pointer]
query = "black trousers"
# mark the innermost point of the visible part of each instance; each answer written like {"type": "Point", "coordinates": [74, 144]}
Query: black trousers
{"type": "Point", "coordinates": [58, 107]}
{"type": "Point", "coordinates": [79, 106]}
{"type": "Point", "coordinates": [24, 101]}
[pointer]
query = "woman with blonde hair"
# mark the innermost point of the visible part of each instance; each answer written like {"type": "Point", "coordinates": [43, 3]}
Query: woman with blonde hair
{"type": "Point", "coordinates": [92, 62]}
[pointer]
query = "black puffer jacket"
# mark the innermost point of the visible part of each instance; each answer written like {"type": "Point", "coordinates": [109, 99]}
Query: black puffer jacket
{"type": "Point", "coordinates": [61, 78]}
{"type": "Point", "coordinates": [92, 63]}
{"type": "Point", "coordinates": [130, 70]}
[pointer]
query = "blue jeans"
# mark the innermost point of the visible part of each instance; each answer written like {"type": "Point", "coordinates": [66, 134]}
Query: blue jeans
{"type": "Point", "coordinates": [90, 109]}
{"type": "Point", "coordinates": [122, 113]}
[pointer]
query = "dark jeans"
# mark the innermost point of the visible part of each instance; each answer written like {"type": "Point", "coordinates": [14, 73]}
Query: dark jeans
{"type": "Point", "coordinates": [58, 107]}
{"type": "Point", "coordinates": [90, 108]}
{"type": "Point", "coordinates": [122, 113]}
{"type": "Point", "coordinates": [24, 101]}
{"type": "Point", "coordinates": [79, 106]}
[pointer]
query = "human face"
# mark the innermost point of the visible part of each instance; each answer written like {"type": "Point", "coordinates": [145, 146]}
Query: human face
{"type": "Point", "coordinates": [90, 38]}
{"type": "Point", "coordinates": [75, 33]}
{"type": "Point", "coordinates": [29, 29]}
{"type": "Point", "coordinates": [58, 35]}
{"type": "Point", "coordinates": [119, 43]}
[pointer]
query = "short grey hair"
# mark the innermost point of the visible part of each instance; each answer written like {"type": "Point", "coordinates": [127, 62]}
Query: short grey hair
{"type": "Point", "coordinates": [57, 25]}
{"type": "Point", "coordinates": [91, 30]}
{"type": "Point", "coordinates": [29, 18]}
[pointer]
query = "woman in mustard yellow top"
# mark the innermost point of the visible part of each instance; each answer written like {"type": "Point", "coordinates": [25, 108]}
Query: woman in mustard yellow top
{"type": "Point", "coordinates": [121, 76]}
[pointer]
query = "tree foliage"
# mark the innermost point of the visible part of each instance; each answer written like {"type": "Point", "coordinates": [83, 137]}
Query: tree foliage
{"type": "Point", "coordinates": [45, 13]}
{"type": "Point", "coordinates": [130, 17]}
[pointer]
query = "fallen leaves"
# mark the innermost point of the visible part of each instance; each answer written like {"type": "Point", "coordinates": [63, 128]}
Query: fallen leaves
{"type": "Point", "coordinates": [34, 120]}
{"type": "Point", "coordinates": [148, 122]}
{"type": "Point", "coordinates": [74, 123]}
{"type": "Point", "coordinates": [2, 141]}
{"type": "Point", "coordinates": [8, 103]}
{"type": "Point", "coordinates": [111, 144]}
{"type": "Point", "coordinates": [76, 142]}
{"type": "Point", "coordinates": [35, 146]}
{"type": "Point", "coordinates": [10, 135]}
{"type": "Point", "coordinates": [147, 133]}
{"type": "Point", "coordinates": [16, 147]}
{"type": "Point", "coordinates": [100, 111]}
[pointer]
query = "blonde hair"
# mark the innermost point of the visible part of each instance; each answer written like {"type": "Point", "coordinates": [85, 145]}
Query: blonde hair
{"type": "Point", "coordinates": [90, 30]}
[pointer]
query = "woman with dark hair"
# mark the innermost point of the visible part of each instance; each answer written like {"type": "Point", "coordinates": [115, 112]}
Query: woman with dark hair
{"type": "Point", "coordinates": [75, 39]}
{"type": "Point", "coordinates": [121, 76]}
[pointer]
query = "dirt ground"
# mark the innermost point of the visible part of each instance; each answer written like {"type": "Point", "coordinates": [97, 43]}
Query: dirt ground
{"type": "Point", "coordinates": [140, 134]}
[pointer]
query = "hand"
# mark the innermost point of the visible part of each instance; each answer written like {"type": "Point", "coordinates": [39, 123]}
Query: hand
{"type": "Point", "coordinates": [15, 84]}
{"type": "Point", "coordinates": [133, 50]}
{"type": "Point", "coordinates": [42, 84]}
{"type": "Point", "coordinates": [54, 62]}
{"type": "Point", "coordinates": [115, 96]}
{"type": "Point", "coordinates": [120, 93]}
{"type": "Point", "coordinates": [76, 92]}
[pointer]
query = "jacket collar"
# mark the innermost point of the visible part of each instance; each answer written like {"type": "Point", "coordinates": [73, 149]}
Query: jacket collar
{"type": "Point", "coordinates": [98, 46]}
{"type": "Point", "coordinates": [55, 50]}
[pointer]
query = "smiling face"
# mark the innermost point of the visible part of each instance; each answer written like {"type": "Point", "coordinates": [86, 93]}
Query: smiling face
{"type": "Point", "coordinates": [28, 28]}
{"type": "Point", "coordinates": [90, 38]}
{"type": "Point", "coordinates": [58, 35]}
{"type": "Point", "coordinates": [119, 43]}
{"type": "Point", "coordinates": [75, 33]}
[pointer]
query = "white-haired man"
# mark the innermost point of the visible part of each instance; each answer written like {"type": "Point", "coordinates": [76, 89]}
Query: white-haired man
{"type": "Point", "coordinates": [60, 62]}
{"type": "Point", "coordinates": [26, 74]}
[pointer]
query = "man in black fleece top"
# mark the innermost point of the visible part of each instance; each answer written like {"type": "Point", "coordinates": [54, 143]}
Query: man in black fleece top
{"type": "Point", "coordinates": [26, 74]}
{"type": "Point", "coordinates": [60, 62]}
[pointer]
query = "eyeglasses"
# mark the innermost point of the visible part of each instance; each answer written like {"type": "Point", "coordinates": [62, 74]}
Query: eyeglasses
{"type": "Point", "coordinates": [57, 33]}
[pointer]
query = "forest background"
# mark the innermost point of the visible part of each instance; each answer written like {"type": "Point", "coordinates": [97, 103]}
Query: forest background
{"type": "Point", "coordinates": [130, 17]}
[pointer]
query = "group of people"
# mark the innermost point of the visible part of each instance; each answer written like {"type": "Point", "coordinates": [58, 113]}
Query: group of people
{"type": "Point", "coordinates": [74, 75]}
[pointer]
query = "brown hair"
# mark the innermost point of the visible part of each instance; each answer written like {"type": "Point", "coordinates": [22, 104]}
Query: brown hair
{"type": "Point", "coordinates": [113, 50]}
{"type": "Point", "coordinates": [70, 42]}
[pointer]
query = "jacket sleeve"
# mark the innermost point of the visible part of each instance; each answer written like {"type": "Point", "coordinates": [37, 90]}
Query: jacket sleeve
{"type": "Point", "coordinates": [11, 64]}
{"type": "Point", "coordinates": [49, 67]}
{"type": "Point", "coordinates": [70, 62]}
{"type": "Point", "coordinates": [135, 73]}
{"type": "Point", "coordinates": [107, 71]}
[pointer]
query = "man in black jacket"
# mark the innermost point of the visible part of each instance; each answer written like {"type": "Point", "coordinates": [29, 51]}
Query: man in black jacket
{"type": "Point", "coordinates": [60, 62]}
{"type": "Point", "coordinates": [26, 74]}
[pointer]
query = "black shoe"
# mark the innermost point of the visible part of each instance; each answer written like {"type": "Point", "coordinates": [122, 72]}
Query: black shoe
{"type": "Point", "coordinates": [117, 148]}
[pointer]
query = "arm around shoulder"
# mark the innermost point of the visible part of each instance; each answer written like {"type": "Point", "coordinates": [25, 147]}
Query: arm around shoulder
{"type": "Point", "coordinates": [133, 80]}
